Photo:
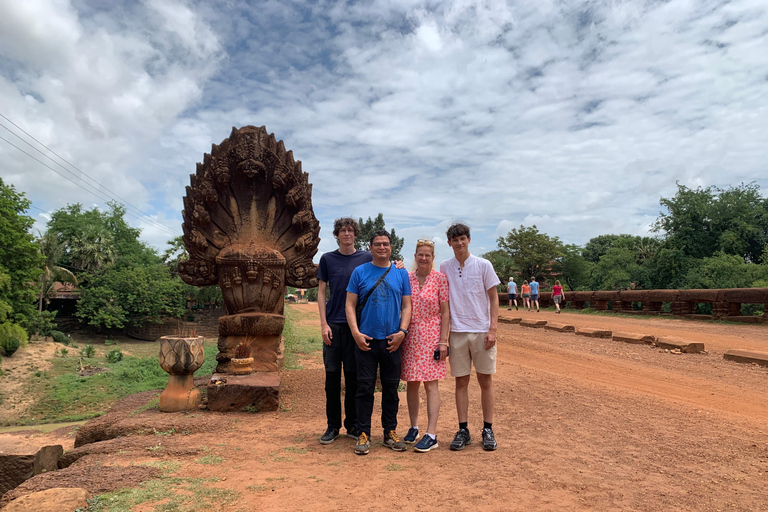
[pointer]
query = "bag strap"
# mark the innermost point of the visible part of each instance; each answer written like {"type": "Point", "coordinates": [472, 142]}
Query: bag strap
{"type": "Point", "coordinates": [367, 295]}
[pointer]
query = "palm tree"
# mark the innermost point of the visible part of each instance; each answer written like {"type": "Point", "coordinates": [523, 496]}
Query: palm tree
{"type": "Point", "coordinates": [93, 249]}
{"type": "Point", "coordinates": [52, 249]}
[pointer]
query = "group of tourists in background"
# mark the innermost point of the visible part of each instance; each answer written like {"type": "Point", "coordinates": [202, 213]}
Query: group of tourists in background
{"type": "Point", "coordinates": [529, 293]}
{"type": "Point", "coordinates": [405, 325]}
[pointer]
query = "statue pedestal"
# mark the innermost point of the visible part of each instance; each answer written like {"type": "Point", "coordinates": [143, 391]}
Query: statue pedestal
{"type": "Point", "coordinates": [256, 392]}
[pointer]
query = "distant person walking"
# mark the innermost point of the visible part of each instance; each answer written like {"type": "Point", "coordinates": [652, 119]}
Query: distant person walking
{"type": "Point", "coordinates": [526, 291]}
{"type": "Point", "coordinates": [511, 294]}
{"type": "Point", "coordinates": [558, 296]}
{"type": "Point", "coordinates": [534, 293]}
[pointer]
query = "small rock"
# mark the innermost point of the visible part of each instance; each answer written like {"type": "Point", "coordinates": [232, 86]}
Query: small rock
{"type": "Point", "coordinates": [51, 500]}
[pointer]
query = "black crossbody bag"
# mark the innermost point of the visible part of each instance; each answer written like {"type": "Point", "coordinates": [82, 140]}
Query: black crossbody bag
{"type": "Point", "coordinates": [361, 305]}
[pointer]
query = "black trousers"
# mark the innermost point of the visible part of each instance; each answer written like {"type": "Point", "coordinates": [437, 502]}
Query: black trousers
{"type": "Point", "coordinates": [389, 366]}
{"type": "Point", "coordinates": [341, 352]}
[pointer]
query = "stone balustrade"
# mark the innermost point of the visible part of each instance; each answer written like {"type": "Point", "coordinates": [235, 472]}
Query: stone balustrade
{"type": "Point", "coordinates": [726, 303]}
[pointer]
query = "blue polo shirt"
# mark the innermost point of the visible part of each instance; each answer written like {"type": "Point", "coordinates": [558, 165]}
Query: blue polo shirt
{"type": "Point", "coordinates": [534, 287]}
{"type": "Point", "coordinates": [381, 315]}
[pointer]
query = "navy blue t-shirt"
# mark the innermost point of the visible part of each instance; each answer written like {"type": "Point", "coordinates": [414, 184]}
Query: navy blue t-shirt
{"type": "Point", "coordinates": [381, 315]}
{"type": "Point", "coordinates": [336, 269]}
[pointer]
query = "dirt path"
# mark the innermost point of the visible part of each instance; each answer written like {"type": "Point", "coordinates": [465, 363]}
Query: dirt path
{"type": "Point", "coordinates": [583, 425]}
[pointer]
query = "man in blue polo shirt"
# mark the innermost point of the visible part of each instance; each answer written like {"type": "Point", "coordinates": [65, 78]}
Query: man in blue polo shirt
{"type": "Point", "coordinates": [535, 293]}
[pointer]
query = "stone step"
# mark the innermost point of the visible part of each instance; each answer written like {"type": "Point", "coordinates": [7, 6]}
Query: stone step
{"type": "Point", "coordinates": [18, 464]}
{"type": "Point", "coordinates": [747, 356]}
{"type": "Point", "coordinates": [685, 346]}
{"type": "Point", "coordinates": [593, 333]}
{"type": "Point", "coordinates": [537, 324]}
{"type": "Point", "coordinates": [560, 327]}
{"type": "Point", "coordinates": [633, 337]}
{"type": "Point", "coordinates": [507, 320]}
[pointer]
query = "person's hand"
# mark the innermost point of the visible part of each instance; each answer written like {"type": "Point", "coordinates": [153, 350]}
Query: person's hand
{"type": "Point", "coordinates": [443, 352]}
{"type": "Point", "coordinates": [490, 340]}
{"type": "Point", "coordinates": [399, 264]}
{"type": "Point", "coordinates": [395, 340]}
{"type": "Point", "coordinates": [362, 341]}
{"type": "Point", "coordinates": [327, 334]}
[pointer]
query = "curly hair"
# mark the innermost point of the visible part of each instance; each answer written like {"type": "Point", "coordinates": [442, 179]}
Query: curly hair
{"type": "Point", "coordinates": [345, 222]}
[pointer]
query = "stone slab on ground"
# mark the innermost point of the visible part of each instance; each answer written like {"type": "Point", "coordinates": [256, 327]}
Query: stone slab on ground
{"type": "Point", "coordinates": [747, 356]}
{"type": "Point", "coordinates": [258, 391]}
{"type": "Point", "coordinates": [58, 499]}
{"type": "Point", "coordinates": [507, 320]}
{"type": "Point", "coordinates": [560, 327]}
{"type": "Point", "coordinates": [538, 324]}
{"type": "Point", "coordinates": [746, 319]}
{"type": "Point", "coordinates": [593, 333]}
{"type": "Point", "coordinates": [685, 346]}
{"type": "Point", "coordinates": [16, 468]}
{"type": "Point", "coordinates": [633, 337]}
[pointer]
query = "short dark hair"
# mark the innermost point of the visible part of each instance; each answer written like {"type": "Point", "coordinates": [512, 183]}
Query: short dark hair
{"type": "Point", "coordinates": [343, 223]}
{"type": "Point", "coordinates": [457, 229]}
{"type": "Point", "coordinates": [379, 232]}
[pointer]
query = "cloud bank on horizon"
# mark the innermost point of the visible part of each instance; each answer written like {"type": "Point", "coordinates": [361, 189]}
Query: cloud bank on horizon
{"type": "Point", "coordinates": [573, 116]}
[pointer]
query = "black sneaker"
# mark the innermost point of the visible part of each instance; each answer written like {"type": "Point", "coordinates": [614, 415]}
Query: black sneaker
{"type": "Point", "coordinates": [392, 440]}
{"type": "Point", "coordinates": [353, 433]}
{"type": "Point", "coordinates": [330, 436]}
{"type": "Point", "coordinates": [411, 436]}
{"type": "Point", "coordinates": [517, 309]}
{"type": "Point", "coordinates": [489, 441]}
{"type": "Point", "coordinates": [363, 444]}
{"type": "Point", "coordinates": [461, 440]}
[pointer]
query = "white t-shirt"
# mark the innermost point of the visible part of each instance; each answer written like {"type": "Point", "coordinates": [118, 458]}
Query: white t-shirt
{"type": "Point", "coordinates": [468, 293]}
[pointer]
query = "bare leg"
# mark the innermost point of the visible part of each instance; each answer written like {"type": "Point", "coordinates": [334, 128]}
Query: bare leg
{"type": "Point", "coordinates": [462, 398]}
{"type": "Point", "coordinates": [412, 395]}
{"type": "Point", "coordinates": [433, 406]}
{"type": "Point", "coordinates": [486, 396]}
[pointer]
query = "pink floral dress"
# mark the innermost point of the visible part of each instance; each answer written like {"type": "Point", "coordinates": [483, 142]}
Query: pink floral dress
{"type": "Point", "coordinates": [418, 360]}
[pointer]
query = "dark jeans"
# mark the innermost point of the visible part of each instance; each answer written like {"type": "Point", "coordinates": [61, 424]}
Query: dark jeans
{"type": "Point", "coordinates": [340, 352]}
{"type": "Point", "coordinates": [389, 366]}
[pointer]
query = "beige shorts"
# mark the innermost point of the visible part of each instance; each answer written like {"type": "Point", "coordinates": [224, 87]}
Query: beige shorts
{"type": "Point", "coordinates": [469, 347]}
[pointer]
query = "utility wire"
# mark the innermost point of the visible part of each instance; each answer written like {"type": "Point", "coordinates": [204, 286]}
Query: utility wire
{"type": "Point", "coordinates": [97, 194]}
{"type": "Point", "coordinates": [147, 217]}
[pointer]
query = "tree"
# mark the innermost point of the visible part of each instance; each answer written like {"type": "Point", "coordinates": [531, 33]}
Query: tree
{"type": "Point", "coordinates": [573, 268]}
{"type": "Point", "coordinates": [705, 221]}
{"type": "Point", "coordinates": [667, 269]}
{"type": "Point", "coordinates": [20, 260]}
{"type": "Point", "coordinates": [52, 251]}
{"type": "Point", "coordinates": [366, 230]}
{"type": "Point", "coordinates": [124, 295]}
{"type": "Point", "coordinates": [599, 245]}
{"type": "Point", "coordinates": [502, 264]}
{"type": "Point", "coordinates": [531, 252]}
{"type": "Point", "coordinates": [616, 270]}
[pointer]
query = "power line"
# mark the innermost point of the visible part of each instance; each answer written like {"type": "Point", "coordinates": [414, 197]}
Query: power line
{"type": "Point", "coordinates": [112, 195]}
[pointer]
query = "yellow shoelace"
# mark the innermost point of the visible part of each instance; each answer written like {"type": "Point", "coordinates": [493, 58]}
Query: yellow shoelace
{"type": "Point", "coordinates": [363, 438]}
{"type": "Point", "coordinates": [394, 436]}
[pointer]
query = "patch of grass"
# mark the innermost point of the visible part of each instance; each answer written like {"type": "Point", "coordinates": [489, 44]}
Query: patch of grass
{"type": "Point", "coordinates": [295, 449]}
{"type": "Point", "coordinates": [256, 488]}
{"type": "Point", "coordinates": [168, 466]}
{"type": "Point", "coordinates": [299, 339]}
{"type": "Point", "coordinates": [393, 467]}
{"type": "Point", "coordinates": [155, 448]}
{"type": "Point", "coordinates": [65, 396]}
{"type": "Point", "coordinates": [164, 432]}
{"type": "Point", "coordinates": [210, 459]}
{"type": "Point", "coordinates": [176, 494]}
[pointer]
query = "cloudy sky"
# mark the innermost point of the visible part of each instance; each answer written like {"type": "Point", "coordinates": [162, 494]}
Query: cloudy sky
{"type": "Point", "coordinates": [573, 116]}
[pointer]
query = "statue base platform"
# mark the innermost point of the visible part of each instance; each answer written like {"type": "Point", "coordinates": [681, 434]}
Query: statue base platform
{"type": "Point", "coordinates": [259, 391]}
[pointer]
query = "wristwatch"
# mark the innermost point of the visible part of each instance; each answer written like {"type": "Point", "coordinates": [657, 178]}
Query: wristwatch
{"type": "Point", "coordinates": [404, 330]}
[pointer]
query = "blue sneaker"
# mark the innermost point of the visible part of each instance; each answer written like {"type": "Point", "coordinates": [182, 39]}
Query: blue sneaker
{"type": "Point", "coordinates": [426, 444]}
{"type": "Point", "coordinates": [411, 436]}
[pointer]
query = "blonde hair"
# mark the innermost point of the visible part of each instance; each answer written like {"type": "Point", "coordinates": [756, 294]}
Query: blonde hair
{"type": "Point", "coordinates": [423, 242]}
{"type": "Point", "coordinates": [558, 283]}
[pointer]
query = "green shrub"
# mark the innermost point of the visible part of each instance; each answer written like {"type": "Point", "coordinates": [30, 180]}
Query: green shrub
{"type": "Point", "coordinates": [10, 346]}
{"type": "Point", "coordinates": [64, 352]}
{"type": "Point", "coordinates": [12, 336]}
{"type": "Point", "coordinates": [115, 356]}
{"type": "Point", "coordinates": [88, 351]}
{"type": "Point", "coordinates": [60, 337]}
{"type": "Point", "coordinates": [41, 322]}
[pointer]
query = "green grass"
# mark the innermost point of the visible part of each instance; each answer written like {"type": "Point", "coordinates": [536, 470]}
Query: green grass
{"type": "Point", "coordinates": [210, 459]}
{"type": "Point", "coordinates": [176, 494]}
{"type": "Point", "coordinates": [299, 339]}
{"type": "Point", "coordinates": [65, 396]}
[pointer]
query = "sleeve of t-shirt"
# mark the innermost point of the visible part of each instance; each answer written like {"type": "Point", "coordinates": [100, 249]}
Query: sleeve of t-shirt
{"type": "Point", "coordinates": [354, 282]}
{"type": "Point", "coordinates": [442, 288]}
{"type": "Point", "coordinates": [406, 281]}
{"type": "Point", "coordinates": [322, 270]}
{"type": "Point", "coordinates": [489, 276]}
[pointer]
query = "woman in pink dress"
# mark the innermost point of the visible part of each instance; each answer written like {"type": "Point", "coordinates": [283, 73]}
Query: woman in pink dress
{"type": "Point", "coordinates": [427, 338]}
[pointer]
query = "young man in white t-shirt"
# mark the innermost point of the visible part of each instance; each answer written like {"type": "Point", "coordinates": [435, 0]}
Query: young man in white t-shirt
{"type": "Point", "coordinates": [474, 306]}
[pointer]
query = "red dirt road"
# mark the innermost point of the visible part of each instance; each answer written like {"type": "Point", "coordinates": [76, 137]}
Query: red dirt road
{"type": "Point", "coordinates": [583, 424]}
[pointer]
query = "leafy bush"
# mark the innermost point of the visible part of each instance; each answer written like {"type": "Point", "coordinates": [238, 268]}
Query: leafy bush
{"type": "Point", "coordinates": [41, 322]}
{"type": "Point", "coordinates": [88, 351]}
{"type": "Point", "coordinates": [60, 337]}
{"type": "Point", "coordinates": [115, 356]}
{"type": "Point", "coordinates": [12, 336]}
{"type": "Point", "coordinates": [64, 352]}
